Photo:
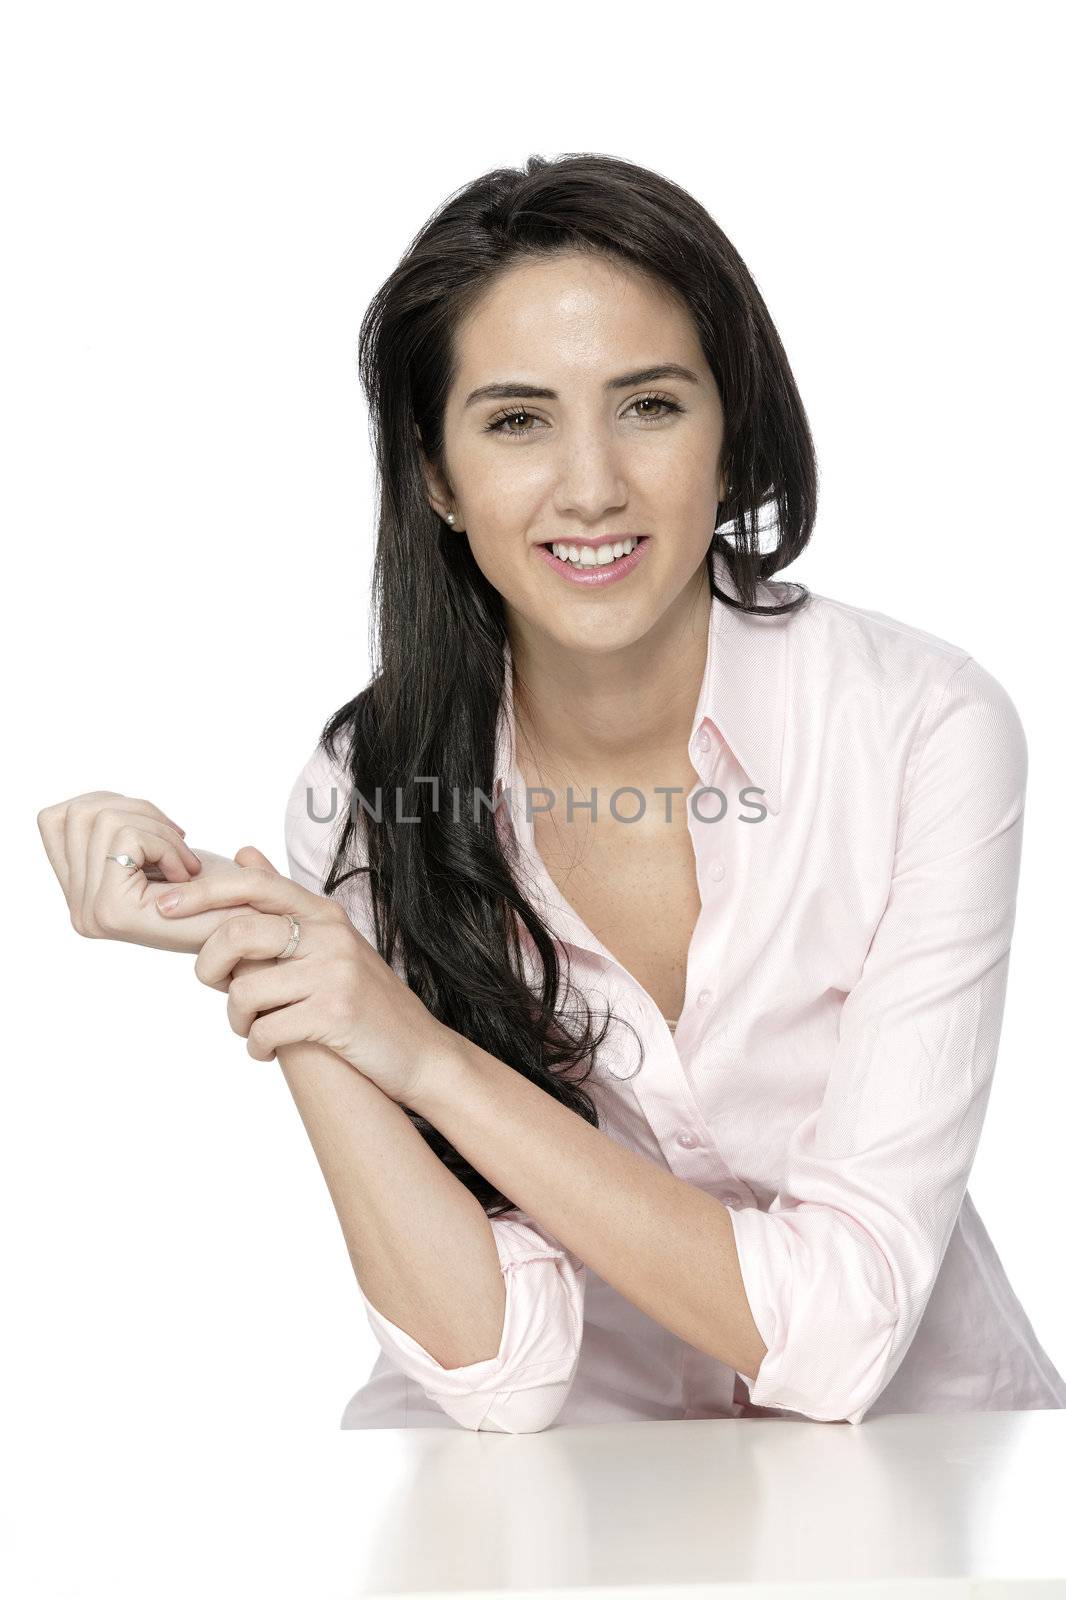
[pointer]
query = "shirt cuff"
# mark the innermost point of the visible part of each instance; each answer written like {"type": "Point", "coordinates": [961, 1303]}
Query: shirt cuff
{"type": "Point", "coordinates": [541, 1337]}
{"type": "Point", "coordinates": [818, 1295]}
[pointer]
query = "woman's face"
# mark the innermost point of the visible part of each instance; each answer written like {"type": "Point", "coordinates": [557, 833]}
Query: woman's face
{"type": "Point", "coordinates": [592, 455]}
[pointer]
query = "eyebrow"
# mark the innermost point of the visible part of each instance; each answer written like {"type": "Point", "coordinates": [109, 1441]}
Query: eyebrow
{"type": "Point", "coordinates": [529, 391]}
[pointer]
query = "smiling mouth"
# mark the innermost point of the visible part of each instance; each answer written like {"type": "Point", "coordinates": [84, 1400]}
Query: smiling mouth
{"type": "Point", "coordinates": [587, 555]}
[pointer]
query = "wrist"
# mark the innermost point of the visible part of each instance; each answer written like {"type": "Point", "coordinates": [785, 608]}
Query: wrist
{"type": "Point", "coordinates": [447, 1064]}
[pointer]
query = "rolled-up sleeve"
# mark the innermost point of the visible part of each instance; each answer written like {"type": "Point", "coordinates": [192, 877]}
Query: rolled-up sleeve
{"type": "Point", "coordinates": [839, 1270]}
{"type": "Point", "coordinates": [522, 1388]}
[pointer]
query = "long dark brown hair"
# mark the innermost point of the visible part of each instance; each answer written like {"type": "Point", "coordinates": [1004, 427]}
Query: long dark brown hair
{"type": "Point", "coordinates": [443, 890]}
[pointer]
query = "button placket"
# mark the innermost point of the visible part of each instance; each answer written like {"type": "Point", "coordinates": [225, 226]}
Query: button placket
{"type": "Point", "coordinates": [663, 1112]}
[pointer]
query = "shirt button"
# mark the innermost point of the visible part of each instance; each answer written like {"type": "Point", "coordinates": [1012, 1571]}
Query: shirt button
{"type": "Point", "coordinates": [704, 997]}
{"type": "Point", "coordinates": [717, 870]}
{"type": "Point", "coordinates": [731, 1199]}
{"type": "Point", "coordinates": [687, 1138]}
{"type": "Point", "coordinates": [703, 740]}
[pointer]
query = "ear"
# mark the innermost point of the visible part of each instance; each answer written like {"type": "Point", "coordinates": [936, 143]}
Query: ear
{"type": "Point", "coordinates": [437, 492]}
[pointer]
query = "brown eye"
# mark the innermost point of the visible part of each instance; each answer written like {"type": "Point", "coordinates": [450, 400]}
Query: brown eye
{"type": "Point", "coordinates": [510, 416]}
{"type": "Point", "coordinates": [503, 425]}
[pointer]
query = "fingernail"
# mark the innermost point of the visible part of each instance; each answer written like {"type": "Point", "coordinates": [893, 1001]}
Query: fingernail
{"type": "Point", "coordinates": [167, 902]}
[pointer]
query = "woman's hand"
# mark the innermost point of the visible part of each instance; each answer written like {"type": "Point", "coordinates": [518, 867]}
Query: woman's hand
{"type": "Point", "coordinates": [335, 990]}
{"type": "Point", "coordinates": [110, 901]}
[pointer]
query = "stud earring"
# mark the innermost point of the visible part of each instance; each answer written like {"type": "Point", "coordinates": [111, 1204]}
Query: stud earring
{"type": "Point", "coordinates": [450, 517]}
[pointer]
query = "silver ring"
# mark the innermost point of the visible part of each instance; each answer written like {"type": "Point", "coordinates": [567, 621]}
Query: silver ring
{"type": "Point", "coordinates": [124, 861]}
{"type": "Point", "coordinates": [293, 940]}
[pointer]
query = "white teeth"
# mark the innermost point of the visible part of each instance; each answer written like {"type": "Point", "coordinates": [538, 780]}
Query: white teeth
{"type": "Point", "coordinates": [586, 555]}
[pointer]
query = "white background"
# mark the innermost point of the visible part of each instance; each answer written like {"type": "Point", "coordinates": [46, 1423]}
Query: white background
{"type": "Point", "coordinates": [198, 203]}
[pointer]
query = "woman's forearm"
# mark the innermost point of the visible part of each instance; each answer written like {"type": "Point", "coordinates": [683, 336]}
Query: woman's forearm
{"type": "Point", "coordinates": [664, 1244]}
{"type": "Point", "coordinates": [421, 1245]}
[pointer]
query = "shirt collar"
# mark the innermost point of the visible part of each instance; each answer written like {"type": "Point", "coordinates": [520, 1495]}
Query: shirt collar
{"type": "Point", "coordinates": [742, 697]}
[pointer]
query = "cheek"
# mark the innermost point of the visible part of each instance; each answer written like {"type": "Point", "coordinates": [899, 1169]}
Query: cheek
{"type": "Point", "coordinates": [499, 553]}
{"type": "Point", "coordinates": [501, 514]}
{"type": "Point", "coordinates": [684, 478]}
{"type": "Point", "coordinates": [507, 495]}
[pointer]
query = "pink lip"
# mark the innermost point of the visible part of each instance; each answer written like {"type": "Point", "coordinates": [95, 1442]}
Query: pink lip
{"type": "Point", "coordinates": [595, 576]}
{"type": "Point", "coordinates": [597, 539]}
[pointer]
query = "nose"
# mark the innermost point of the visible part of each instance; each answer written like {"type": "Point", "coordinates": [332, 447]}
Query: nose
{"type": "Point", "coordinates": [591, 481]}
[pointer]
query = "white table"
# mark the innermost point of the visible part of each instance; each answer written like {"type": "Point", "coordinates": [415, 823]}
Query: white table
{"type": "Point", "coordinates": [912, 1507]}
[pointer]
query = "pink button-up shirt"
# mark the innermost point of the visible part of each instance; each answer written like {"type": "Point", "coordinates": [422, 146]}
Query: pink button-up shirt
{"type": "Point", "coordinates": [857, 829]}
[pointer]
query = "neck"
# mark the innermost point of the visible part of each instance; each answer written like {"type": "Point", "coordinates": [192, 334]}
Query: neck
{"type": "Point", "coordinates": [615, 717]}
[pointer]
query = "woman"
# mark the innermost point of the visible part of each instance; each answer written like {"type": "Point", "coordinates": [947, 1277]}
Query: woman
{"type": "Point", "coordinates": [640, 970]}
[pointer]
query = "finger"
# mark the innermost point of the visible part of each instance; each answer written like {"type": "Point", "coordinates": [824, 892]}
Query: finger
{"type": "Point", "coordinates": [254, 994]}
{"type": "Point", "coordinates": [253, 886]}
{"type": "Point", "coordinates": [244, 965]}
{"type": "Point", "coordinates": [80, 821]}
{"type": "Point", "coordinates": [249, 856]}
{"type": "Point", "coordinates": [177, 862]}
{"type": "Point", "coordinates": [147, 809]}
{"type": "Point", "coordinates": [52, 826]}
{"type": "Point", "coordinates": [61, 838]}
{"type": "Point", "coordinates": [248, 966]}
{"type": "Point", "coordinates": [52, 819]}
{"type": "Point", "coordinates": [255, 934]}
{"type": "Point", "coordinates": [293, 1024]}
{"type": "Point", "coordinates": [151, 845]}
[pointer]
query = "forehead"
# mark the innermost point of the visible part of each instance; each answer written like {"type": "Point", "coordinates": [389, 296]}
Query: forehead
{"type": "Point", "coordinates": [572, 311]}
